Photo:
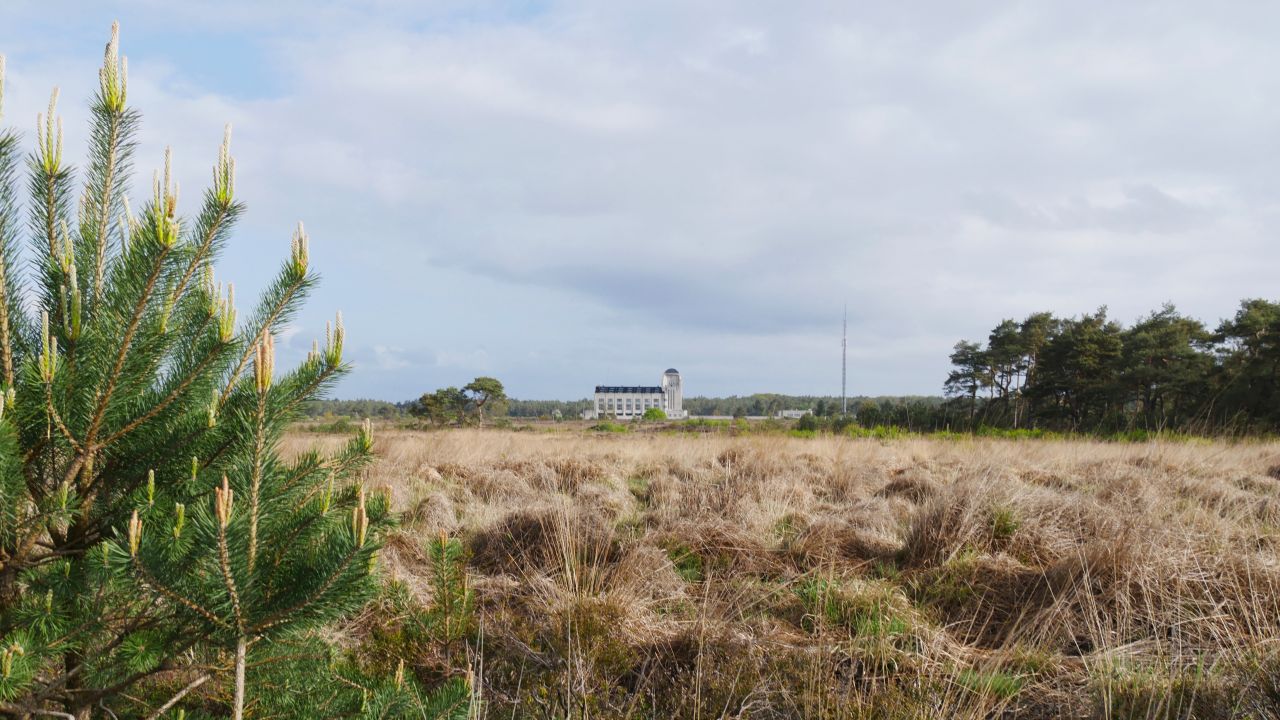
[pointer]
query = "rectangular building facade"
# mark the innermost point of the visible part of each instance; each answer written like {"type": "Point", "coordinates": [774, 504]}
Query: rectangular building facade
{"type": "Point", "coordinates": [627, 402]}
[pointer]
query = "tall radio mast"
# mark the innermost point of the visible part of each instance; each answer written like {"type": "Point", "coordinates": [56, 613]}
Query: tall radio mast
{"type": "Point", "coordinates": [844, 362]}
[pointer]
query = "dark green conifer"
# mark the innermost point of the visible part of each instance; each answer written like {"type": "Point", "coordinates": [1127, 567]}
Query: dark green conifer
{"type": "Point", "coordinates": [150, 533]}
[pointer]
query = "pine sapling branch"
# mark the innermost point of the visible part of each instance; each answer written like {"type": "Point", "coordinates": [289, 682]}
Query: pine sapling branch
{"type": "Point", "coordinates": [6, 340]}
{"type": "Point", "coordinates": [223, 500]}
{"type": "Point", "coordinates": [263, 369]}
{"type": "Point", "coordinates": [136, 318]}
{"type": "Point", "coordinates": [48, 161]}
{"type": "Point", "coordinates": [222, 198]}
{"type": "Point", "coordinates": [114, 82]}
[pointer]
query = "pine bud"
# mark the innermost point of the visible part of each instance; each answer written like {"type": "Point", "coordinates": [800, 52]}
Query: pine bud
{"type": "Point", "coordinates": [298, 254]}
{"type": "Point", "coordinates": [48, 602]}
{"type": "Point", "coordinates": [151, 488]}
{"type": "Point", "coordinates": [227, 315]}
{"type": "Point", "coordinates": [49, 138]}
{"type": "Point", "coordinates": [400, 673]}
{"type": "Point", "coordinates": [222, 502]}
{"type": "Point", "coordinates": [6, 660]}
{"type": "Point", "coordinates": [213, 409]}
{"type": "Point", "coordinates": [195, 468]}
{"type": "Point", "coordinates": [264, 364]}
{"type": "Point", "coordinates": [168, 175]}
{"type": "Point", "coordinates": [165, 312]}
{"type": "Point", "coordinates": [135, 534]}
{"type": "Point", "coordinates": [127, 224]}
{"type": "Point", "coordinates": [359, 519]}
{"type": "Point", "coordinates": [365, 435]}
{"type": "Point", "coordinates": [212, 291]}
{"type": "Point", "coordinates": [327, 499]}
{"type": "Point", "coordinates": [224, 172]}
{"type": "Point", "coordinates": [165, 198]}
{"type": "Point", "coordinates": [74, 313]}
{"type": "Point", "coordinates": [333, 337]}
{"type": "Point", "coordinates": [67, 259]}
{"type": "Point", "coordinates": [179, 519]}
{"type": "Point", "coordinates": [48, 350]}
{"type": "Point", "coordinates": [113, 76]}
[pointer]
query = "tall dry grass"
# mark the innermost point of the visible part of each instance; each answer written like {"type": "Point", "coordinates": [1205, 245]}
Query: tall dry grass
{"type": "Point", "coordinates": [708, 576]}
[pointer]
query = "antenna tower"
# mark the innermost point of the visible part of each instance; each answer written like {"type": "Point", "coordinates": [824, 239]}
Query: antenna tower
{"type": "Point", "coordinates": [844, 362]}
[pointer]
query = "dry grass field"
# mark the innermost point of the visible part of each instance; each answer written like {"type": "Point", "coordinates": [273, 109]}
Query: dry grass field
{"type": "Point", "coordinates": [649, 575]}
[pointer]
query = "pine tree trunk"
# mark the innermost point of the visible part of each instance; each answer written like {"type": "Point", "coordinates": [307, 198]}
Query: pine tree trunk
{"type": "Point", "coordinates": [238, 705]}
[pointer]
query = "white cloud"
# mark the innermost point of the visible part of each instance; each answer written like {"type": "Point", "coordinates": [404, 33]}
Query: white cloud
{"type": "Point", "coordinates": [390, 358]}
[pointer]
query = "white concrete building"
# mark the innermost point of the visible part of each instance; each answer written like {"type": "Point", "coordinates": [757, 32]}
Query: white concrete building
{"type": "Point", "coordinates": [626, 402]}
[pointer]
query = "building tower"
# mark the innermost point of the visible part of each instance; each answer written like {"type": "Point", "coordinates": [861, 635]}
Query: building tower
{"type": "Point", "coordinates": [672, 393]}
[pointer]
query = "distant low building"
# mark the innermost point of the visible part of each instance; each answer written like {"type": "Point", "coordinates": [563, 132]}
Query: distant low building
{"type": "Point", "coordinates": [791, 414]}
{"type": "Point", "coordinates": [626, 402]}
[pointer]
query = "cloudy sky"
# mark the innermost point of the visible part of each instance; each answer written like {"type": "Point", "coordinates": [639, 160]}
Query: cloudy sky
{"type": "Point", "coordinates": [569, 193]}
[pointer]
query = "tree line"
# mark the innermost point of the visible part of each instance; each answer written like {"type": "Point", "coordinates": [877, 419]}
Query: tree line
{"type": "Point", "coordinates": [1165, 372]}
{"type": "Point", "coordinates": [1085, 374]}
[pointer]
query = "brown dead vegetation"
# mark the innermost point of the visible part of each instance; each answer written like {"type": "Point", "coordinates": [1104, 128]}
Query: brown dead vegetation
{"type": "Point", "coordinates": [768, 577]}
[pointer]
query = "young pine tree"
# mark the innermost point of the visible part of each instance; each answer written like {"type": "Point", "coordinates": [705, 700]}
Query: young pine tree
{"type": "Point", "coordinates": [149, 531]}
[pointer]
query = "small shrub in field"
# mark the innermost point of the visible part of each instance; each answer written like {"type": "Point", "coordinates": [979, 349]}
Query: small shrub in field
{"type": "Point", "coordinates": [878, 432]}
{"type": "Point", "coordinates": [947, 585]}
{"type": "Point", "coordinates": [609, 427]}
{"type": "Point", "coordinates": [688, 564]}
{"type": "Point", "coordinates": [705, 424]}
{"type": "Point", "coordinates": [639, 489]}
{"type": "Point", "coordinates": [1016, 433]}
{"type": "Point", "coordinates": [803, 434]}
{"type": "Point", "coordinates": [1004, 522]}
{"type": "Point", "coordinates": [1001, 684]}
{"type": "Point", "coordinates": [405, 638]}
{"type": "Point", "coordinates": [885, 570]}
{"type": "Point", "coordinates": [865, 609]}
{"type": "Point", "coordinates": [789, 527]}
{"type": "Point", "coordinates": [1125, 692]}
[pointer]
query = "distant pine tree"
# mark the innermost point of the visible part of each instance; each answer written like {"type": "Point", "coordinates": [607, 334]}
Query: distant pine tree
{"type": "Point", "coordinates": [149, 531]}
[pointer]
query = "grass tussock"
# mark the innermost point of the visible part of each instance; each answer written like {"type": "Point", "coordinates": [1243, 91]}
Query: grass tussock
{"type": "Point", "coordinates": [705, 576]}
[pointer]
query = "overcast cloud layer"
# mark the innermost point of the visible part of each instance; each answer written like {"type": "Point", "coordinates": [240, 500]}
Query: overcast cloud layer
{"type": "Point", "coordinates": [570, 193]}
